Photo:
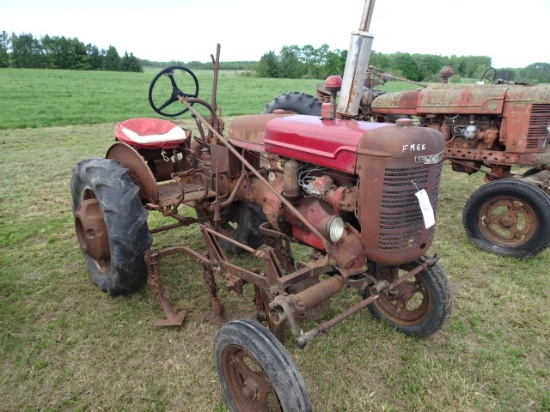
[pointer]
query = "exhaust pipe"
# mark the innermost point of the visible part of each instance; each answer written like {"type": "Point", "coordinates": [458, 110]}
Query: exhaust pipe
{"type": "Point", "coordinates": [357, 64]}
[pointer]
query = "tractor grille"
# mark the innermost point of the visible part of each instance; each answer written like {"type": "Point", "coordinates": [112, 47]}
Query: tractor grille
{"type": "Point", "coordinates": [538, 134]}
{"type": "Point", "coordinates": [401, 220]}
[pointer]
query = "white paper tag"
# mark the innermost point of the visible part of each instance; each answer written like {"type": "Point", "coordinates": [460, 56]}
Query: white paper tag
{"type": "Point", "coordinates": [426, 208]}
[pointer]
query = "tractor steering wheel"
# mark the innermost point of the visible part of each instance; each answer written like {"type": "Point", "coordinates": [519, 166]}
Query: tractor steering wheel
{"type": "Point", "coordinates": [489, 79]}
{"type": "Point", "coordinates": [164, 84]}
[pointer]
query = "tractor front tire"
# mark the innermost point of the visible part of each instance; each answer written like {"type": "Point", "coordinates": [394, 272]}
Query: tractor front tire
{"type": "Point", "coordinates": [418, 307]}
{"type": "Point", "coordinates": [111, 225]}
{"type": "Point", "coordinates": [256, 372]}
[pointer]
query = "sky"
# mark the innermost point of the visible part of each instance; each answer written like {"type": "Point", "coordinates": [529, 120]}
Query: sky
{"type": "Point", "coordinates": [513, 33]}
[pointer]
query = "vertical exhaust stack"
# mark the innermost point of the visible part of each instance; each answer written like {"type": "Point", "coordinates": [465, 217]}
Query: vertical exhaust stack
{"type": "Point", "coordinates": [357, 64]}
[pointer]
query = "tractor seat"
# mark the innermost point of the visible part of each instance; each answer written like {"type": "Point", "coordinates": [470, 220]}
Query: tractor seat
{"type": "Point", "coordinates": [150, 133]}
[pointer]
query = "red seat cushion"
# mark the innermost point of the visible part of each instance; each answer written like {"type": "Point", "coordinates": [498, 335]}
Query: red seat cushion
{"type": "Point", "coordinates": [150, 133]}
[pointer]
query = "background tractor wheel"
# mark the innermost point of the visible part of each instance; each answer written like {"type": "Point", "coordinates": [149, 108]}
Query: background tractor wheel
{"type": "Point", "coordinates": [509, 218]}
{"type": "Point", "coordinates": [295, 102]}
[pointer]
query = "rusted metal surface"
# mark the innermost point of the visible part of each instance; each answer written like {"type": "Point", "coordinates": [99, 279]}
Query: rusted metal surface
{"type": "Point", "coordinates": [509, 123]}
{"type": "Point", "coordinates": [252, 169]}
{"type": "Point", "coordinates": [248, 131]}
{"type": "Point", "coordinates": [394, 163]}
{"type": "Point", "coordinates": [527, 134]}
{"type": "Point", "coordinates": [153, 280]}
{"type": "Point", "coordinates": [490, 157]}
{"type": "Point", "coordinates": [396, 103]}
{"type": "Point", "coordinates": [140, 173]}
{"type": "Point", "coordinates": [281, 304]}
{"type": "Point", "coordinates": [539, 177]}
{"type": "Point", "coordinates": [461, 99]}
{"type": "Point", "coordinates": [247, 379]}
{"type": "Point", "coordinates": [313, 296]}
{"type": "Point", "coordinates": [92, 233]}
{"type": "Point", "coordinates": [507, 221]}
{"type": "Point", "coordinates": [401, 148]}
{"type": "Point", "coordinates": [349, 255]}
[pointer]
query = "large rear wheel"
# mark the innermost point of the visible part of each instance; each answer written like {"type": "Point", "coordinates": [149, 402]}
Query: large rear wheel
{"type": "Point", "coordinates": [295, 102]}
{"type": "Point", "coordinates": [111, 225]}
{"type": "Point", "coordinates": [420, 306]}
{"type": "Point", "coordinates": [255, 370]}
{"type": "Point", "coordinates": [509, 218]}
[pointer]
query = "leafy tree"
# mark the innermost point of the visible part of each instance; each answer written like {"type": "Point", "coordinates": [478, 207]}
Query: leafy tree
{"type": "Point", "coordinates": [506, 74]}
{"type": "Point", "coordinates": [5, 42]}
{"type": "Point", "coordinates": [112, 59]}
{"type": "Point", "coordinates": [64, 53]}
{"type": "Point", "coordinates": [470, 66]}
{"type": "Point", "coordinates": [318, 62]}
{"type": "Point", "coordinates": [129, 63]}
{"type": "Point", "coordinates": [269, 65]}
{"type": "Point", "coordinates": [310, 58]}
{"type": "Point", "coordinates": [290, 64]}
{"type": "Point", "coordinates": [539, 72]}
{"type": "Point", "coordinates": [26, 51]}
{"type": "Point", "coordinates": [379, 60]}
{"type": "Point", "coordinates": [408, 66]}
{"type": "Point", "coordinates": [48, 51]}
{"type": "Point", "coordinates": [335, 63]}
{"type": "Point", "coordinates": [81, 58]}
{"type": "Point", "coordinates": [429, 65]}
{"type": "Point", "coordinates": [96, 57]}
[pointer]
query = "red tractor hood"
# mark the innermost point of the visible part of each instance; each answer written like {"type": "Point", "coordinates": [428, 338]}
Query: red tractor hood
{"type": "Point", "coordinates": [329, 143]}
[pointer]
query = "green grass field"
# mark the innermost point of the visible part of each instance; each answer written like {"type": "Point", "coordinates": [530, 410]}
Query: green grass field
{"type": "Point", "coordinates": [65, 346]}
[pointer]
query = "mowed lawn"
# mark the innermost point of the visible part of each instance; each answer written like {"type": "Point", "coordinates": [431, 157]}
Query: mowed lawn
{"type": "Point", "coordinates": [66, 346]}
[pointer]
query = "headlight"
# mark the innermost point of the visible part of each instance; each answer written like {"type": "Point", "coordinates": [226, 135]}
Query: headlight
{"type": "Point", "coordinates": [333, 228]}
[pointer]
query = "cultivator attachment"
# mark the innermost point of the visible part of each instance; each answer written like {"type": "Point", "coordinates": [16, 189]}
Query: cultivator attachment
{"type": "Point", "coordinates": [284, 295]}
{"type": "Point", "coordinates": [173, 318]}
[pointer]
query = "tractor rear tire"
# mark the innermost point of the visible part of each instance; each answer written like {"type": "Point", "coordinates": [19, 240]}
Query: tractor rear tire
{"type": "Point", "coordinates": [116, 200]}
{"type": "Point", "coordinates": [295, 102]}
{"type": "Point", "coordinates": [508, 218]}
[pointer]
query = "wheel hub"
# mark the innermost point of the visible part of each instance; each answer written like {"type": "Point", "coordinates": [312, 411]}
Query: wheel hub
{"type": "Point", "coordinates": [249, 390]}
{"type": "Point", "coordinates": [507, 221]}
{"type": "Point", "coordinates": [91, 230]}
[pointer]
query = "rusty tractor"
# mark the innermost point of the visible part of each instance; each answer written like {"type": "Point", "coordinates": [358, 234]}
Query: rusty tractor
{"type": "Point", "coordinates": [502, 130]}
{"type": "Point", "coordinates": [360, 195]}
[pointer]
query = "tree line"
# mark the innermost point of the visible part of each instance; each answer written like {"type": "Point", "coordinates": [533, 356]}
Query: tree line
{"type": "Point", "coordinates": [293, 62]}
{"type": "Point", "coordinates": [54, 52]}
{"type": "Point", "coordinates": [308, 62]}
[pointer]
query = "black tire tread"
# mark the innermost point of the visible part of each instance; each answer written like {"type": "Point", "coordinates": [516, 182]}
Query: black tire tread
{"type": "Point", "coordinates": [297, 102]}
{"type": "Point", "coordinates": [250, 218]}
{"type": "Point", "coordinates": [126, 221]}
{"type": "Point", "coordinates": [273, 357]}
{"type": "Point", "coordinates": [537, 199]}
{"type": "Point", "coordinates": [440, 294]}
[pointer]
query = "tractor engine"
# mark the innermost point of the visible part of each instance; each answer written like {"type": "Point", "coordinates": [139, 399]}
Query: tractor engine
{"type": "Point", "coordinates": [369, 188]}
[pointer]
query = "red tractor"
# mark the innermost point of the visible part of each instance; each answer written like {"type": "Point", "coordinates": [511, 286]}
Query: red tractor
{"type": "Point", "coordinates": [360, 195]}
{"type": "Point", "coordinates": [489, 127]}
